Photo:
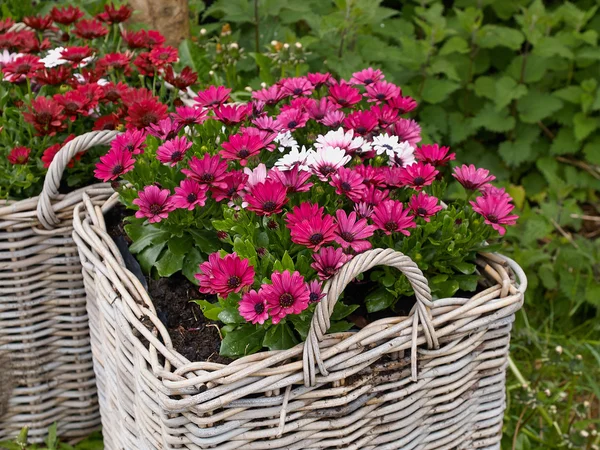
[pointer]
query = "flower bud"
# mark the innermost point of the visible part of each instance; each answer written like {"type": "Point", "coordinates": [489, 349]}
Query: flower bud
{"type": "Point", "coordinates": [202, 31]}
{"type": "Point", "coordinates": [222, 235]}
{"type": "Point", "coordinates": [272, 225]}
{"type": "Point", "coordinates": [298, 45]}
{"type": "Point", "coordinates": [558, 349]}
{"type": "Point", "coordinates": [234, 46]}
{"type": "Point", "coordinates": [286, 46]}
{"type": "Point", "coordinates": [248, 89]}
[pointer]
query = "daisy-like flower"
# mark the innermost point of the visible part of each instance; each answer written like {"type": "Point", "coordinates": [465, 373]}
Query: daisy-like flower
{"type": "Point", "coordinates": [381, 91]}
{"type": "Point", "coordinates": [472, 178]}
{"type": "Point", "coordinates": [496, 211]}
{"type": "Point", "coordinates": [404, 104]}
{"type": "Point", "coordinates": [66, 15]}
{"type": "Point", "coordinates": [418, 175]}
{"type": "Point", "coordinates": [318, 109]}
{"type": "Point", "coordinates": [209, 170]}
{"type": "Point", "coordinates": [89, 29]}
{"type": "Point", "coordinates": [266, 137]}
{"type": "Point", "coordinates": [367, 76]}
{"type": "Point", "coordinates": [328, 262]}
{"type": "Point", "coordinates": [296, 87]}
{"type": "Point", "coordinates": [50, 153]}
{"type": "Point", "coordinates": [46, 116]}
{"type": "Point", "coordinates": [39, 23]}
{"type": "Point", "coordinates": [292, 119]}
{"type": "Point", "coordinates": [213, 96]}
{"type": "Point", "coordinates": [19, 155]}
{"type": "Point", "coordinates": [112, 93]}
{"type": "Point", "coordinates": [385, 115]}
{"type": "Point", "coordinates": [434, 155]}
{"type": "Point", "coordinates": [115, 62]}
{"type": "Point", "coordinates": [165, 129]}
{"type": "Point", "coordinates": [232, 114]}
{"type": "Point", "coordinates": [363, 210]}
{"type": "Point", "coordinates": [362, 122]}
{"type": "Point", "coordinates": [6, 24]}
{"type": "Point", "coordinates": [270, 95]}
{"type": "Point", "coordinates": [186, 115]}
{"type": "Point", "coordinates": [155, 203]}
{"type": "Point", "coordinates": [143, 113]}
{"type": "Point", "coordinates": [295, 158]}
{"type": "Point", "coordinates": [107, 122]}
{"type": "Point", "coordinates": [182, 80]}
{"type": "Point", "coordinates": [76, 55]}
{"type": "Point", "coordinates": [242, 147]}
{"type": "Point", "coordinates": [161, 56]}
{"type": "Point", "coordinates": [371, 176]}
{"type": "Point", "coordinates": [315, 291]}
{"type": "Point", "coordinates": [344, 94]}
{"type": "Point", "coordinates": [225, 275]}
{"type": "Point", "coordinates": [374, 196]}
{"type": "Point", "coordinates": [266, 123]}
{"type": "Point", "coordinates": [489, 189]}
{"type": "Point", "coordinates": [423, 205]}
{"type": "Point", "coordinates": [344, 140]}
{"type": "Point", "coordinates": [353, 231]}
{"type": "Point", "coordinates": [304, 211]}
{"type": "Point", "coordinates": [287, 294]}
{"type": "Point", "coordinates": [313, 232]}
{"type": "Point", "coordinates": [349, 183]}
{"type": "Point", "coordinates": [333, 119]}
{"type": "Point", "coordinates": [52, 76]}
{"type": "Point", "coordinates": [384, 143]}
{"type": "Point", "coordinates": [173, 151]}
{"type": "Point", "coordinates": [75, 103]}
{"type": "Point", "coordinates": [134, 141]}
{"type": "Point", "coordinates": [7, 57]}
{"type": "Point", "coordinates": [318, 79]}
{"type": "Point", "coordinates": [54, 58]}
{"type": "Point", "coordinates": [267, 198]}
{"type": "Point", "coordinates": [112, 14]}
{"type": "Point", "coordinates": [392, 176]}
{"type": "Point", "coordinates": [115, 163]}
{"type": "Point", "coordinates": [295, 180]}
{"type": "Point", "coordinates": [286, 140]}
{"type": "Point", "coordinates": [256, 175]}
{"type": "Point", "coordinates": [253, 307]}
{"type": "Point", "coordinates": [232, 188]}
{"type": "Point", "coordinates": [189, 195]}
{"type": "Point", "coordinates": [407, 130]}
{"type": "Point", "coordinates": [326, 160]}
{"type": "Point", "coordinates": [144, 65]}
{"type": "Point", "coordinates": [402, 155]}
{"type": "Point", "coordinates": [21, 68]}
{"type": "Point", "coordinates": [391, 217]}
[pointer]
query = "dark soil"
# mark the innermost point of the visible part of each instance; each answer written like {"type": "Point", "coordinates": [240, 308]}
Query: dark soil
{"type": "Point", "coordinates": [192, 335]}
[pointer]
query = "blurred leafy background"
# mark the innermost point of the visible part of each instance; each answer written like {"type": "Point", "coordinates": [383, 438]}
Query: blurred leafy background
{"type": "Point", "coordinates": [510, 85]}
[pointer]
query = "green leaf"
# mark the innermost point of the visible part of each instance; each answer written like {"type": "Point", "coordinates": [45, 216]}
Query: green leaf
{"type": "Point", "coordinates": [210, 310]}
{"type": "Point", "coordinates": [584, 125]}
{"type": "Point", "coordinates": [342, 310]}
{"type": "Point", "coordinates": [379, 300]}
{"type": "Point", "coordinates": [265, 67]}
{"type": "Point", "coordinates": [507, 90]}
{"type": "Point", "coordinates": [536, 106]}
{"type": "Point", "coordinates": [190, 54]}
{"type": "Point", "coordinates": [340, 327]}
{"type": "Point", "coordinates": [230, 315]}
{"type": "Point", "coordinates": [534, 68]}
{"type": "Point", "coordinates": [455, 44]}
{"type": "Point", "coordinates": [287, 263]}
{"type": "Point", "coordinates": [564, 142]}
{"type": "Point", "coordinates": [592, 152]}
{"type": "Point", "coordinates": [181, 245]}
{"type": "Point", "coordinates": [465, 267]}
{"type": "Point", "coordinates": [571, 94]}
{"type": "Point", "coordinates": [147, 258]}
{"type": "Point", "coordinates": [244, 340]}
{"type": "Point", "coordinates": [169, 263]}
{"type": "Point", "coordinates": [490, 36]}
{"type": "Point", "coordinates": [546, 274]}
{"type": "Point", "coordinates": [145, 235]}
{"type": "Point", "coordinates": [279, 337]}
{"type": "Point", "coordinates": [494, 120]}
{"type": "Point", "coordinates": [206, 240]}
{"type": "Point", "coordinates": [191, 264]}
{"type": "Point", "coordinates": [436, 91]}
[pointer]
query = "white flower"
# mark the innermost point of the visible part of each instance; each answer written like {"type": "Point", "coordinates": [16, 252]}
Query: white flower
{"type": "Point", "coordinates": [54, 58]}
{"type": "Point", "coordinates": [294, 158]}
{"type": "Point", "coordinates": [286, 140]}
{"type": "Point", "coordinates": [346, 141]}
{"type": "Point", "coordinates": [6, 57]}
{"type": "Point", "coordinates": [383, 143]}
{"type": "Point", "coordinates": [258, 175]}
{"type": "Point", "coordinates": [326, 160]}
{"type": "Point", "coordinates": [402, 155]}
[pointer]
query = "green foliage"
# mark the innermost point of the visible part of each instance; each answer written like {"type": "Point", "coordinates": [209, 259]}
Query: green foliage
{"type": "Point", "coordinates": [94, 442]}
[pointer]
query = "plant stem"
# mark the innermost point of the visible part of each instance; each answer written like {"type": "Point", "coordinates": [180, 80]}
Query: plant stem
{"type": "Point", "coordinates": [516, 372]}
{"type": "Point", "coordinates": [257, 28]}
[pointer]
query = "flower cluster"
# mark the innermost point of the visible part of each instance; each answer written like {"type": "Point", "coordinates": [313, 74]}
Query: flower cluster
{"type": "Point", "coordinates": [296, 182]}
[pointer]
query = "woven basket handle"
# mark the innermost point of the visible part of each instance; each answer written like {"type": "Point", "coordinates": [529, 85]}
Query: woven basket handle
{"type": "Point", "coordinates": [80, 144]}
{"type": "Point", "coordinates": [336, 285]}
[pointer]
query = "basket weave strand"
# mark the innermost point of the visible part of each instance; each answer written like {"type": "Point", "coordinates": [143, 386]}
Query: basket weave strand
{"type": "Point", "coordinates": [152, 398]}
{"type": "Point", "coordinates": [44, 334]}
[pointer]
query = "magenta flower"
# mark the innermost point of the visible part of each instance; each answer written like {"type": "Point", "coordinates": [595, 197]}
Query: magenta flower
{"type": "Point", "coordinates": [363, 210]}
{"type": "Point", "coordinates": [333, 119]}
{"type": "Point", "coordinates": [392, 176]}
{"type": "Point", "coordinates": [362, 122]}
{"type": "Point", "coordinates": [434, 155]}
{"type": "Point", "coordinates": [381, 91]}
{"type": "Point", "coordinates": [304, 211]}
{"type": "Point", "coordinates": [223, 276]}
{"type": "Point", "coordinates": [367, 76]}
{"type": "Point", "coordinates": [256, 175]}
{"type": "Point", "coordinates": [189, 194]}
{"type": "Point", "coordinates": [391, 217]}
{"type": "Point", "coordinates": [209, 170]}
{"type": "Point", "coordinates": [374, 196]}
{"type": "Point", "coordinates": [318, 109]}
{"type": "Point", "coordinates": [349, 183]}
{"type": "Point", "coordinates": [267, 198]}
{"type": "Point", "coordinates": [295, 180]}
{"type": "Point", "coordinates": [423, 205]}
{"type": "Point", "coordinates": [253, 307]}
{"type": "Point", "coordinates": [266, 137]}
{"type": "Point", "coordinates": [313, 232]}
{"type": "Point", "coordinates": [404, 104]}
{"type": "Point", "coordinates": [318, 79]}
{"type": "Point", "coordinates": [242, 147]}
{"type": "Point", "coordinates": [418, 175]}
{"type": "Point", "coordinates": [267, 123]}
{"type": "Point", "coordinates": [296, 87]}
{"type": "Point", "coordinates": [352, 231]}
{"type": "Point", "coordinates": [292, 119]}
{"type": "Point", "coordinates": [328, 261]}
{"type": "Point", "coordinates": [344, 94]}
{"type": "Point", "coordinates": [134, 141]}
{"type": "Point", "coordinates": [155, 204]}
{"type": "Point", "coordinates": [114, 164]}
{"type": "Point", "coordinates": [270, 95]}
{"type": "Point", "coordinates": [496, 211]}
{"type": "Point", "coordinates": [472, 178]}
{"type": "Point", "coordinates": [19, 155]}
{"type": "Point", "coordinates": [386, 115]}
{"type": "Point", "coordinates": [173, 151]}
{"type": "Point", "coordinates": [315, 291]}
{"type": "Point", "coordinates": [407, 130]}
{"type": "Point", "coordinates": [372, 176]}
{"type": "Point", "coordinates": [489, 189]}
{"type": "Point", "coordinates": [232, 114]}
{"type": "Point", "coordinates": [232, 187]}
{"type": "Point", "coordinates": [186, 115]}
{"type": "Point", "coordinates": [213, 96]}
{"type": "Point", "coordinates": [164, 130]}
{"type": "Point", "coordinates": [287, 294]}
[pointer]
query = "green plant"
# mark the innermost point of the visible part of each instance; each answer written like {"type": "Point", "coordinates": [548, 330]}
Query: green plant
{"type": "Point", "coordinates": [94, 442]}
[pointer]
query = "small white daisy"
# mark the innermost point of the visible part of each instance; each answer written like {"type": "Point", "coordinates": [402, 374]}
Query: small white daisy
{"type": "Point", "coordinates": [326, 160]}
{"type": "Point", "coordinates": [286, 140]}
{"type": "Point", "coordinates": [54, 58]}
{"type": "Point", "coordinates": [295, 157]}
{"type": "Point", "coordinates": [384, 143]}
{"type": "Point", "coordinates": [344, 140]}
{"type": "Point", "coordinates": [258, 175]}
{"type": "Point", "coordinates": [6, 57]}
{"type": "Point", "coordinates": [401, 155]}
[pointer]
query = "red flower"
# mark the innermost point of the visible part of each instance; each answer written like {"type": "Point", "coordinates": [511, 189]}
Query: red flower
{"type": "Point", "coordinates": [418, 175]}
{"type": "Point", "coordinates": [434, 155]}
{"type": "Point", "coordinates": [472, 178]}
{"type": "Point", "coordinates": [19, 155]}
{"type": "Point", "coordinates": [344, 94]}
{"type": "Point", "coordinates": [113, 14]}
{"type": "Point", "coordinates": [232, 114]}
{"type": "Point", "coordinates": [292, 119]}
{"type": "Point", "coordinates": [225, 275]}
{"type": "Point", "coordinates": [107, 122]}
{"type": "Point", "coordinates": [155, 203]}
{"type": "Point", "coordinates": [112, 93]}
{"type": "Point", "coordinates": [314, 232]}
{"type": "Point", "coordinates": [115, 61]}
{"type": "Point", "coordinates": [46, 116]}
{"type": "Point", "coordinates": [349, 183]}
{"type": "Point", "coordinates": [154, 39]}
{"type": "Point", "coordinates": [382, 91]}
{"type": "Point", "coordinates": [391, 217]}
{"type": "Point", "coordinates": [296, 87]}
{"type": "Point", "coordinates": [352, 231]}
{"type": "Point", "coordinates": [39, 23]}
{"type": "Point", "coordinates": [182, 80]}
{"type": "Point", "coordinates": [242, 147]}
{"type": "Point", "coordinates": [362, 122]}
{"type": "Point", "coordinates": [173, 151]}
{"type": "Point", "coordinates": [213, 96]}
{"type": "Point", "coordinates": [423, 205]}
{"type": "Point", "coordinates": [209, 170]}
{"type": "Point", "coordinates": [165, 130]}
{"type": "Point", "coordinates": [89, 29]}
{"type": "Point", "coordinates": [74, 103]}
{"type": "Point", "coordinates": [374, 196]}
{"type": "Point", "coordinates": [76, 54]}
{"type": "Point", "coordinates": [53, 76]}
{"type": "Point", "coordinates": [186, 115]}
{"type": "Point", "coordinates": [253, 307]}
{"type": "Point", "coordinates": [496, 210]}
{"type": "Point", "coordinates": [267, 198]}
{"type": "Point", "coordinates": [371, 176]}
{"type": "Point", "coordinates": [66, 15]}
{"type": "Point", "coordinates": [144, 111]}
{"type": "Point", "coordinates": [189, 195]}
{"type": "Point", "coordinates": [135, 39]}
{"type": "Point", "coordinates": [50, 153]}
{"type": "Point", "coordinates": [23, 67]}
{"type": "Point", "coordinates": [144, 65]}
{"type": "Point", "coordinates": [386, 115]}
{"type": "Point", "coordinates": [161, 56]}
{"type": "Point", "coordinates": [328, 261]}
{"type": "Point", "coordinates": [367, 76]}
{"type": "Point", "coordinates": [114, 164]}
{"type": "Point", "coordinates": [287, 294]}
{"type": "Point", "coordinates": [5, 24]}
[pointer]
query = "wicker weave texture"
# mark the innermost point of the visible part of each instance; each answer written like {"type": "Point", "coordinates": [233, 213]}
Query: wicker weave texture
{"type": "Point", "coordinates": [45, 354]}
{"type": "Point", "coordinates": [432, 380]}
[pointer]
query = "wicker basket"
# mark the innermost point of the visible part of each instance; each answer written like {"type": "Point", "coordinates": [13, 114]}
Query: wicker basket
{"type": "Point", "coordinates": [46, 372]}
{"type": "Point", "coordinates": [432, 380]}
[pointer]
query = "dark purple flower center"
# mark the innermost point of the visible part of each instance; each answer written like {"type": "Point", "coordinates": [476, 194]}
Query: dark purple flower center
{"type": "Point", "coordinates": [297, 91]}
{"type": "Point", "coordinates": [368, 80]}
{"type": "Point", "coordinates": [391, 226]}
{"type": "Point", "coordinates": [192, 197]}
{"type": "Point", "coordinates": [326, 170]}
{"type": "Point", "coordinates": [148, 118]}
{"type": "Point", "coordinates": [272, 225]}
{"type": "Point", "coordinates": [421, 211]}
{"type": "Point", "coordinates": [155, 208]}
{"type": "Point", "coordinates": [316, 238]}
{"type": "Point", "coordinates": [342, 101]}
{"type": "Point", "coordinates": [313, 297]}
{"type": "Point", "coordinates": [286, 300]}
{"type": "Point", "coordinates": [259, 308]}
{"type": "Point", "coordinates": [469, 185]}
{"type": "Point", "coordinates": [329, 270]}
{"type": "Point", "coordinates": [170, 135]}
{"type": "Point", "coordinates": [492, 218]}
{"type": "Point", "coordinates": [23, 68]}
{"type": "Point", "coordinates": [347, 236]}
{"type": "Point", "coordinates": [176, 156]}
{"type": "Point", "coordinates": [269, 206]}
{"type": "Point", "coordinates": [292, 124]}
{"type": "Point", "coordinates": [243, 153]}
{"type": "Point", "coordinates": [380, 96]}
{"type": "Point", "coordinates": [44, 117]}
{"type": "Point", "coordinates": [361, 130]}
{"type": "Point", "coordinates": [418, 181]}
{"type": "Point", "coordinates": [346, 186]}
{"type": "Point", "coordinates": [234, 282]}
{"type": "Point", "coordinates": [207, 177]}
{"type": "Point", "coordinates": [117, 169]}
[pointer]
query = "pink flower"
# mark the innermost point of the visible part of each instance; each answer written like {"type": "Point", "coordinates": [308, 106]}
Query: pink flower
{"type": "Point", "coordinates": [266, 137]}
{"type": "Point", "coordinates": [213, 96]}
{"type": "Point", "coordinates": [326, 161]}
{"type": "Point", "coordinates": [386, 115]}
{"type": "Point", "coordinates": [367, 76]}
{"type": "Point", "coordinates": [253, 307]}
{"type": "Point", "coordinates": [318, 79]}
{"type": "Point", "coordinates": [407, 130]}
{"type": "Point", "coordinates": [372, 176]}
{"type": "Point", "coordinates": [362, 122]}
{"type": "Point", "coordinates": [318, 109]}
{"type": "Point", "coordinates": [173, 151]}
{"type": "Point", "coordinates": [189, 195]}
{"type": "Point", "coordinates": [287, 294]}
{"type": "Point", "coordinates": [155, 204]}
{"type": "Point", "coordinates": [232, 187]}
{"type": "Point", "coordinates": [496, 211]}
{"type": "Point", "coordinates": [256, 175]}
{"type": "Point", "coordinates": [352, 231]}
{"type": "Point", "coordinates": [164, 130]}
{"type": "Point", "coordinates": [242, 147]}
{"type": "Point", "coordinates": [418, 175]}
{"type": "Point", "coordinates": [382, 91]}
{"type": "Point", "coordinates": [489, 189]}
{"type": "Point", "coordinates": [223, 276]}
{"type": "Point", "coordinates": [267, 198]}
{"type": "Point", "coordinates": [434, 155]}
{"type": "Point", "coordinates": [344, 94]}
{"type": "Point", "coordinates": [315, 293]}
{"type": "Point", "coordinates": [19, 155]}
{"type": "Point", "coordinates": [423, 205]}
{"type": "Point", "coordinates": [363, 210]}
{"type": "Point", "coordinates": [267, 123]}
{"type": "Point", "coordinates": [313, 232]}
{"type": "Point", "coordinates": [472, 178]}
{"type": "Point", "coordinates": [114, 164]}
{"type": "Point", "coordinates": [209, 170]}
{"type": "Point", "coordinates": [186, 115]}
{"type": "Point", "coordinates": [349, 183]}
{"type": "Point", "coordinates": [232, 114]}
{"type": "Point", "coordinates": [134, 141]}
{"type": "Point", "coordinates": [404, 104]}
{"type": "Point", "coordinates": [296, 87]}
{"type": "Point", "coordinates": [292, 119]}
{"type": "Point", "coordinates": [295, 180]}
{"type": "Point", "coordinates": [373, 196]}
{"type": "Point", "coordinates": [304, 211]}
{"type": "Point", "coordinates": [392, 176]}
{"type": "Point", "coordinates": [270, 95]}
{"type": "Point", "coordinates": [391, 217]}
{"type": "Point", "coordinates": [333, 119]}
{"type": "Point", "coordinates": [328, 262]}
